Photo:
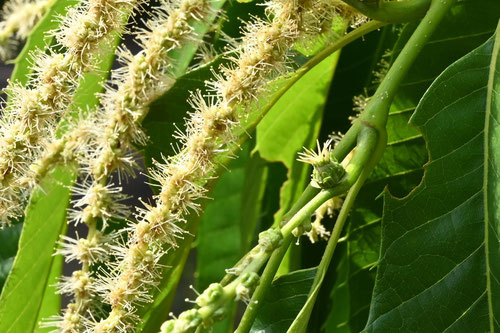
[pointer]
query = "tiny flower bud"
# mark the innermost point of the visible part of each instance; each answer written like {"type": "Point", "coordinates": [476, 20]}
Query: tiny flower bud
{"type": "Point", "coordinates": [188, 321]}
{"type": "Point", "coordinates": [327, 170]}
{"type": "Point", "coordinates": [211, 295]}
{"type": "Point", "coordinates": [168, 326]}
{"type": "Point", "coordinates": [249, 281]}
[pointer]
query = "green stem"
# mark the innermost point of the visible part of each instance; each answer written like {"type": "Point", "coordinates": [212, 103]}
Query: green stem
{"type": "Point", "coordinates": [306, 196]}
{"type": "Point", "coordinates": [309, 193]}
{"type": "Point", "coordinates": [308, 209]}
{"type": "Point", "coordinates": [392, 11]}
{"type": "Point", "coordinates": [376, 111]}
{"type": "Point", "coordinates": [265, 282]}
{"type": "Point", "coordinates": [328, 254]}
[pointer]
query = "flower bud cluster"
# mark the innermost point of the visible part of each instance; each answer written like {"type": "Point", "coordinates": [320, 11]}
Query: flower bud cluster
{"type": "Point", "coordinates": [18, 19]}
{"type": "Point", "coordinates": [212, 304]}
{"type": "Point", "coordinates": [327, 171]}
{"type": "Point", "coordinates": [33, 111]}
{"type": "Point", "coordinates": [210, 131]}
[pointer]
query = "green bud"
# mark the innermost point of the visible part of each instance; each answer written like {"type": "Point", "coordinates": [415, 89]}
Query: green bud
{"type": "Point", "coordinates": [328, 174]}
{"type": "Point", "coordinates": [211, 295]}
{"type": "Point", "coordinates": [327, 170]}
{"type": "Point", "coordinates": [168, 326]}
{"type": "Point", "coordinates": [248, 283]}
{"type": "Point", "coordinates": [188, 322]}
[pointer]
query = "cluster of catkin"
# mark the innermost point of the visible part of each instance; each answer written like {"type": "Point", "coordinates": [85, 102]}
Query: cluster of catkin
{"type": "Point", "coordinates": [18, 19]}
{"type": "Point", "coordinates": [210, 131]}
{"type": "Point", "coordinates": [34, 110]}
{"type": "Point", "coordinates": [102, 143]}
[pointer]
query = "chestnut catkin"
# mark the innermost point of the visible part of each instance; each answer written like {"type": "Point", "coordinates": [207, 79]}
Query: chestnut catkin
{"type": "Point", "coordinates": [33, 111]}
{"type": "Point", "coordinates": [102, 143]}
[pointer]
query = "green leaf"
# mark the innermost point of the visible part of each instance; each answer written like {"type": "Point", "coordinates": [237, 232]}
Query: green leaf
{"type": "Point", "coordinates": [440, 255]}
{"type": "Point", "coordinates": [283, 301]}
{"type": "Point", "coordinates": [294, 117]}
{"type": "Point", "coordinates": [219, 236]}
{"type": "Point", "coordinates": [51, 302]}
{"type": "Point", "coordinates": [39, 39]}
{"type": "Point", "coordinates": [256, 174]}
{"type": "Point", "coordinates": [401, 166]}
{"type": "Point", "coordinates": [221, 241]}
{"type": "Point", "coordinates": [25, 287]}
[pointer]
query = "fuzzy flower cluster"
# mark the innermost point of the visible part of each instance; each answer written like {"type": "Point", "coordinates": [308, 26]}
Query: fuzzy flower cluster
{"type": "Point", "coordinates": [209, 136]}
{"type": "Point", "coordinates": [33, 111]}
{"type": "Point", "coordinates": [102, 144]}
{"type": "Point", "coordinates": [327, 171]}
{"type": "Point", "coordinates": [18, 19]}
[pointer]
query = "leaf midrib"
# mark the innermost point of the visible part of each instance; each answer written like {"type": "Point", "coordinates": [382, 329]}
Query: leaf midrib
{"type": "Point", "coordinates": [489, 102]}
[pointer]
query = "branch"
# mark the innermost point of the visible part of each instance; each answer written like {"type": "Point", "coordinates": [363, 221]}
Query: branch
{"type": "Point", "coordinates": [391, 11]}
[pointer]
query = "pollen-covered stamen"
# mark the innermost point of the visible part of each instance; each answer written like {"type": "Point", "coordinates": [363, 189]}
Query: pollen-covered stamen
{"type": "Point", "coordinates": [87, 251]}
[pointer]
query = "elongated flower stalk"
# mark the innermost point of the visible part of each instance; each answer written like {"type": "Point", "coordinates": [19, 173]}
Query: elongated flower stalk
{"type": "Point", "coordinates": [18, 19]}
{"type": "Point", "coordinates": [102, 144]}
{"type": "Point", "coordinates": [210, 130]}
{"type": "Point", "coordinates": [33, 111]}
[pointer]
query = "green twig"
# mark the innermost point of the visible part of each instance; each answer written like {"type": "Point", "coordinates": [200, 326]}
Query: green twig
{"type": "Point", "coordinates": [391, 11]}
{"type": "Point", "coordinates": [377, 109]}
{"type": "Point", "coordinates": [265, 281]}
